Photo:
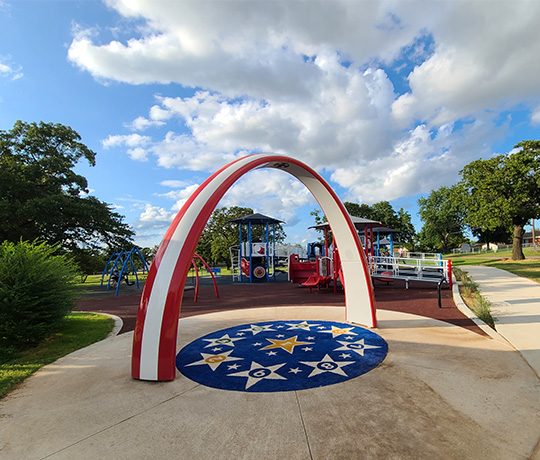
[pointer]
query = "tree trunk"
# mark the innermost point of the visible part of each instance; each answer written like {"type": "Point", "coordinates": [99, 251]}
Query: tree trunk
{"type": "Point", "coordinates": [517, 245]}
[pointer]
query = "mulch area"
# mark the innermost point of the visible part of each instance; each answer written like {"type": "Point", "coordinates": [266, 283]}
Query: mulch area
{"type": "Point", "coordinates": [419, 299]}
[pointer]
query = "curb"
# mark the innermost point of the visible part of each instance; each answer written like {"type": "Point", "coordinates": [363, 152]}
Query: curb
{"type": "Point", "coordinates": [118, 323]}
{"type": "Point", "coordinates": [462, 307]}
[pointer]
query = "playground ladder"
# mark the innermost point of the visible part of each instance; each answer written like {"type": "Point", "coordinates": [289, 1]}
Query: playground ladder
{"type": "Point", "coordinates": [236, 267]}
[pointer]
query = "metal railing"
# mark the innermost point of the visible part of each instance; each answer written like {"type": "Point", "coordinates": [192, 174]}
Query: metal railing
{"type": "Point", "coordinates": [409, 269]}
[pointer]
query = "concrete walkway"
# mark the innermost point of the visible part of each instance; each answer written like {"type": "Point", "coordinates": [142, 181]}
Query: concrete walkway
{"type": "Point", "coordinates": [515, 303]}
{"type": "Point", "coordinates": [442, 392]}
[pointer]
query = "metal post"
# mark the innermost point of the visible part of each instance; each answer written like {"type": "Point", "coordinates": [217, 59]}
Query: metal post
{"type": "Point", "coordinates": [267, 236]}
{"type": "Point", "coordinates": [250, 254]}
{"type": "Point", "coordinates": [240, 251]}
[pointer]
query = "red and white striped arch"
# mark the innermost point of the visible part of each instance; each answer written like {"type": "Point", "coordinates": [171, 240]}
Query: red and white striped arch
{"type": "Point", "coordinates": [154, 342]}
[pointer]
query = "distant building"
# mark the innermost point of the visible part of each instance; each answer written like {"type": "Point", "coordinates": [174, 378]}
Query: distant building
{"type": "Point", "coordinates": [528, 238]}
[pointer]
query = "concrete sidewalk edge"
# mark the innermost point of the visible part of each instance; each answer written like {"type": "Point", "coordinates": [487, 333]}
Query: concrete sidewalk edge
{"type": "Point", "coordinates": [463, 308]}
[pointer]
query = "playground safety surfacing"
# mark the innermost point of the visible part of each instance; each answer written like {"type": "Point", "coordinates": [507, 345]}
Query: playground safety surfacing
{"type": "Point", "coordinates": [441, 392]}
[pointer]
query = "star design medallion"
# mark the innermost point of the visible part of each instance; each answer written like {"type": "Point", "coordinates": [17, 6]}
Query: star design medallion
{"type": "Point", "coordinates": [285, 344]}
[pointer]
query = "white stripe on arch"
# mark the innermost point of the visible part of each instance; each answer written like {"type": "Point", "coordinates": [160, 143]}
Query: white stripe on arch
{"type": "Point", "coordinates": [357, 283]}
{"type": "Point", "coordinates": [160, 289]}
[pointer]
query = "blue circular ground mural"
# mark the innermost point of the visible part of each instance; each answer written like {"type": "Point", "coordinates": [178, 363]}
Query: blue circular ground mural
{"type": "Point", "coordinates": [281, 355]}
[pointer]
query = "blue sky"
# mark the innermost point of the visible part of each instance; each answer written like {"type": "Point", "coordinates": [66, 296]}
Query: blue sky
{"type": "Point", "coordinates": [387, 100]}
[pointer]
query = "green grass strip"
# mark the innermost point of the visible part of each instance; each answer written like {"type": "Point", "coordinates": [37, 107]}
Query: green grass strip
{"type": "Point", "coordinates": [78, 331]}
{"type": "Point", "coordinates": [468, 290]}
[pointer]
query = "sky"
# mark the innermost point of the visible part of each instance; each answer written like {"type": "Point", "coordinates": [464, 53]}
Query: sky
{"type": "Point", "coordinates": [386, 99]}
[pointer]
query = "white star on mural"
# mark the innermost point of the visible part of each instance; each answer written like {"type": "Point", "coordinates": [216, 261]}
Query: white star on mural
{"type": "Point", "coordinates": [295, 370]}
{"type": "Point", "coordinates": [336, 331]}
{"type": "Point", "coordinates": [223, 340]}
{"type": "Point", "coordinates": [214, 360]}
{"type": "Point", "coordinates": [327, 364]}
{"type": "Point", "coordinates": [358, 347]}
{"type": "Point", "coordinates": [233, 367]}
{"type": "Point", "coordinates": [257, 373]}
{"type": "Point", "coordinates": [256, 328]}
{"type": "Point", "coordinates": [303, 325]}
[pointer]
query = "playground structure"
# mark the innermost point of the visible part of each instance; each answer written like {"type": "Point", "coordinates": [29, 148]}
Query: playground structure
{"type": "Point", "coordinates": [255, 259]}
{"type": "Point", "coordinates": [155, 336]}
{"type": "Point", "coordinates": [429, 268]}
{"type": "Point", "coordinates": [118, 267]}
{"type": "Point", "coordinates": [324, 269]}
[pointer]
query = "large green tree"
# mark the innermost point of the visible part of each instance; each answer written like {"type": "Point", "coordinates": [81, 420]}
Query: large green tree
{"type": "Point", "coordinates": [220, 234]}
{"type": "Point", "coordinates": [504, 191]}
{"type": "Point", "coordinates": [43, 198]}
{"type": "Point", "coordinates": [382, 212]}
{"type": "Point", "coordinates": [443, 218]}
{"type": "Point", "coordinates": [385, 213]}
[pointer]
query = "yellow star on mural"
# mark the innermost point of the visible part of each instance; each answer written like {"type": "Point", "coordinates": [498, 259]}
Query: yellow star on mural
{"type": "Point", "coordinates": [336, 331]}
{"type": "Point", "coordinates": [286, 344]}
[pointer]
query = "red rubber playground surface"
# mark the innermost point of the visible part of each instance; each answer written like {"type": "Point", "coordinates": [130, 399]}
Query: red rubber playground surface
{"type": "Point", "coordinates": [419, 299]}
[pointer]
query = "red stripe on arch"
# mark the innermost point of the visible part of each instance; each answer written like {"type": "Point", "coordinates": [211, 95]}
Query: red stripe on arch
{"type": "Point", "coordinates": [173, 304]}
{"type": "Point", "coordinates": [171, 310]}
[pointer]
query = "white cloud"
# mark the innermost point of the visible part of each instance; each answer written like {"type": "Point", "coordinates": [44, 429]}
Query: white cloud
{"type": "Point", "coordinates": [9, 69]}
{"type": "Point", "coordinates": [152, 219]}
{"type": "Point", "coordinates": [308, 79]}
{"type": "Point", "coordinates": [137, 145]}
{"type": "Point", "coordinates": [173, 183]}
{"type": "Point", "coordinates": [269, 192]}
{"type": "Point", "coordinates": [141, 123]}
{"type": "Point", "coordinates": [535, 116]}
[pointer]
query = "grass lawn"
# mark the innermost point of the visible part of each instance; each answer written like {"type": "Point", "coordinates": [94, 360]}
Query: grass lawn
{"type": "Point", "coordinates": [528, 268]}
{"type": "Point", "coordinates": [78, 331]}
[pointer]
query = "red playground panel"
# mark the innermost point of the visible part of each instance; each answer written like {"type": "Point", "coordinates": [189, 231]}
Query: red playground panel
{"type": "Point", "coordinates": [299, 272]}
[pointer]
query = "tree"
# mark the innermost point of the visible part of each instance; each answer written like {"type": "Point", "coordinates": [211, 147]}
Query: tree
{"type": "Point", "coordinates": [504, 191]}
{"type": "Point", "coordinates": [443, 219]}
{"type": "Point", "coordinates": [382, 212]}
{"type": "Point", "coordinates": [385, 213]}
{"type": "Point", "coordinates": [220, 234]}
{"type": "Point", "coordinates": [41, 196]}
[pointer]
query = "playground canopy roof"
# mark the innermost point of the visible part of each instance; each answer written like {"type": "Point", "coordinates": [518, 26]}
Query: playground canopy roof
{"type": "Point", "coordinates": [383, 230]}
{"type": "Point", "coordinates": [359, 222]}
{"type": "Point", "coordinates": [256, 219]}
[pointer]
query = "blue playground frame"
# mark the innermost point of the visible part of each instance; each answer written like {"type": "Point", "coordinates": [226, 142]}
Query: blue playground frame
{"type": "Point", "coordinates": [119, 261]}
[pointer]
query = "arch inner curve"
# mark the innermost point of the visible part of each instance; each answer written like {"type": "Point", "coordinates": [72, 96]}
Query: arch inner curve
{"type": "Point", "coordinates": [154, 341]}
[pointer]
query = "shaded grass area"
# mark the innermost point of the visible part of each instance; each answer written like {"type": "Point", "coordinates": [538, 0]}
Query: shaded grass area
{"type": "Point", "coordinates": [95, 280]}
{"type": "Point", "coordinates": [468, 290]}
{"type": "Point", "coordinates": [77, 331]}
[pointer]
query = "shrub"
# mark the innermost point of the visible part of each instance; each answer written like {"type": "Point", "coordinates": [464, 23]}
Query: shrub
{"type": "Point", "coordinates": [37, 289]}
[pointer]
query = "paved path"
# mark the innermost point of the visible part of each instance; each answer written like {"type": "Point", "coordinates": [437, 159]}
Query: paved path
{"type": "Point", "coordinates": [515, 303]}
{"type": "Point", "coordinates": [442, 392]}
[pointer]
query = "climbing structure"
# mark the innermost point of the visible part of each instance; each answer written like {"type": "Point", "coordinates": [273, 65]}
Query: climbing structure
{"type": "Point", "coordinates": [119, 265]}
{"type": "Point", "coordinates": [254, 259]}
{"type": "Point", "coordinates": [155, 336]}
